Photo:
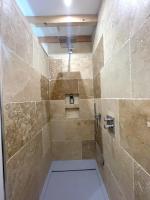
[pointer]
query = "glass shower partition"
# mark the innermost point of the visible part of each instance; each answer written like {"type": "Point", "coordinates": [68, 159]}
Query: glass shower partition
{"type": "Point", "coordinates": [1, 139]}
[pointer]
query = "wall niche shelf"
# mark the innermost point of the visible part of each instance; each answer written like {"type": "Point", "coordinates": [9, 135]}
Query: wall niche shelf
{"type": "Point", "coordinates": [72, 106]}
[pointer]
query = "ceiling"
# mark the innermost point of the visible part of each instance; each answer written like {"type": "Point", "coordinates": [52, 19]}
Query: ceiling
{"type": "Point", "coordinates": [58, 8]}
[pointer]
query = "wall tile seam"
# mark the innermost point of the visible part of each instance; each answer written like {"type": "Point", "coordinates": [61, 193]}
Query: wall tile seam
{"type": "Point", "coordinates": [73, 119]}
{"type": "Point", "coordinates": [74, 140]}
{"type": "Point", "coordinates": [99, 72]}
{"type": "Point", "coordinates": [132, 99]}
{"type": "Point", "coordinates": [135, 162]}
{"type": "Point", "coordinates": [140, 166]}
{"type": "Point", "coordinates": [131, 36]}
{"type": "Point", "coordinates": [71, 79]}
{"type": "Point", "coordinates": [110, 58]}
{"type": "Point", "coordinates": [27, 24]}
{"type": "Point", "coordinates": [96, 42]}
{"type": "Point", "coordinates": [63, 79]}
{"type": "Point", "coordinates": [22, 102]}
{"type": "Point", "coordinates": [14, 3]}
{"type": "Point", "coordinates": [24, 146]}
{"type": "Point", "coordinates": [130, 62]}
{"type": "Point", "coordinates": [139, 27]}
{"type": "Point", "coordinates": [4, 46]}
{"type": "Point", "coordinates": [116, 181]}
{"type": "Point", "coordinates": [21, 59]}
{"type": "Point", "coordinates": [83, 99]}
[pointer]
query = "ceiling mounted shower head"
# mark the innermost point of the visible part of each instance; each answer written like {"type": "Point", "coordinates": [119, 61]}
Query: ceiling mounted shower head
{"type": "Point", "coordinates": [70, 51]}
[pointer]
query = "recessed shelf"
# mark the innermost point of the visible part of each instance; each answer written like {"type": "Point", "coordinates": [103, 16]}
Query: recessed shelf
{"type": "Point", "coordinates": [72, 113]}
{"type": "Point", "coordinates": [72, 106]}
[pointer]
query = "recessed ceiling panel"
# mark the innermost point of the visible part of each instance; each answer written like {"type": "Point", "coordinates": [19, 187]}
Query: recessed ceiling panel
{"type": "Point", "coordinates": [63, 31]}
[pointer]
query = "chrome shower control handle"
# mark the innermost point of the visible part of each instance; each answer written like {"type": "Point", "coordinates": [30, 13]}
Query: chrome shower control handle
{"type": "Point", "coordinates": [108, 119]}
{"type": "Point", "coordinates": [108, 126]}
{"type": "Point", "coordinates": [110, 123]}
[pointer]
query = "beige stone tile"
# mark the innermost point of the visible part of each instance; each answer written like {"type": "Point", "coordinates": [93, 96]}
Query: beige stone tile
{"type": "Point", "coordinates": [112, 186]}
{"type": "Point", "coordinates": [46, 139]}
{"type": "Point", "coordinates": [60, 88]}
{"type": "Point", "coordinates": [86, 88]}
{"type": "Point", "coordinates": [23, 172]}
{"type": "Point", "coordinates": [57, 109]}
{"type": "Point", "coordinates": [69, 75]}
{"type": "Point", "coordinates": [56, 90]}
{"type": "Point", "coordinates": [134, 119]}
{"type": "Point", "coordinates": [141, 11]}
{"type": "Point", "coordinates": [21, 82]}
{"type": "Point", "coordinates": [97, 86]}
{"type": "Point", "coordinates": [98, 58]}
{"type": "Point", "coordinates": [55, 67]}
{"type": "Point", "coordinates": [115, 76]}
{"type": "Point", "coordinates": [19, 125]}
{"type": "Point", "coordinates": [140, 62]}
{"type": "Point", "coordinates": [120, 163]}
{"type": "Point", "coordinates": [117, 28]}
{"type": "Point", "coordinates": [42, 113]}
{"type": "Point", "coordinates": [142, 183]}
{"type": "Point", "coordinates": [44, 88]}
{"type": "Point", "coordinates": [115, 157]}
{"type": "Point", "coordinates": [40, 59]}
{"type": "Point", "coordinates": [88, 149]}
{"type": "Point", "coordinates": [103, 20]}
{"type": "Point", "coordinates": [99, 138]}
{"type": "Point", "coordinates": [82, 63]}
{"type": "Point", "coordinates": [72, 130]}
{"type": "Point", "coordinates": [86, 109]}
{"type": "Point", "coordinates": [67, 150]}
{"type": "Point", "coordinates": [20, 43]}
{"type": "Point", "coordinates": [99, 158]}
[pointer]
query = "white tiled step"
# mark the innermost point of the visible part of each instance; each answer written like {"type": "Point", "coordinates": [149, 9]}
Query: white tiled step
{"type": "Point", "coordinates": [74, 185]}
{"type": "Point", "coordinates": [73, 165]}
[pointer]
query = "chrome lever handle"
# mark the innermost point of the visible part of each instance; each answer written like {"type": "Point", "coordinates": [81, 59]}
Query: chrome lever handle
{"type": "Point", "coordinates": [108, 119]}
{"type": "Point", "coordinates": [110, 123]}
{"type": "Point", "coordinates": [108, 126]}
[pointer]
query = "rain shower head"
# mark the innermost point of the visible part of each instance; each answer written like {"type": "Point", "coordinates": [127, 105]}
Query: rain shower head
{"type": "Point", "coordinates": [70, 51]}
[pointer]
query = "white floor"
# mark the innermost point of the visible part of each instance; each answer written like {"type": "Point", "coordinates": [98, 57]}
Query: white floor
{"type": "Point", "coordinates": [74, 180]}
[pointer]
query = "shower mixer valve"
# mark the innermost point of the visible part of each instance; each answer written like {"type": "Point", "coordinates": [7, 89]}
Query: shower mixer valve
{"type": "Point", "coordinates": [110, 123]}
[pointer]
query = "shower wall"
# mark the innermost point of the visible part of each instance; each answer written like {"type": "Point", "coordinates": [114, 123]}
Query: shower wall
{"type": "Point", "coordinates": [26, 106]}
{"type": "Point", "coordinates": [72, 126]}
{"type": "Point", "coordinates": [121, 53]}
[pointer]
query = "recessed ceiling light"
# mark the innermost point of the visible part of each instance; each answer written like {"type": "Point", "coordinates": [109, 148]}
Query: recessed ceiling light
{"type": "Point", "coordinates": [68, 2]}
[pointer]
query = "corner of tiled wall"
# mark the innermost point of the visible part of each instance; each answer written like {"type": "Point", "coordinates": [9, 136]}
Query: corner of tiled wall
{"type": "Point", "coordinates": [72, 138]}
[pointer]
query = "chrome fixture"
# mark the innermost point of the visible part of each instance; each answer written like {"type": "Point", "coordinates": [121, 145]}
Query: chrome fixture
{"type": "Point", "coordinates": [110, 123]}
{"type": "Point", "coordinates": [71, 99]}
{"type": "Point", "coordinates": [97, 118]}
{"type": "Point", "coordinates": [70, 51]}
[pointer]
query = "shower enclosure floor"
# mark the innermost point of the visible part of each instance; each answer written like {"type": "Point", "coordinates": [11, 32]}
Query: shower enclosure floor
{"type": "Point", "coordinates": [74, 180]}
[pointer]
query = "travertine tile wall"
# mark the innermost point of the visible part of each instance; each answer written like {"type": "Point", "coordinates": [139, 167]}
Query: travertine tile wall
{"type": "Point", "coordinates": [26, 106]}
{"type": "Point", "coordinates": [123, 79]}
{"type": "Point", "coordinates": [72, 138]}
